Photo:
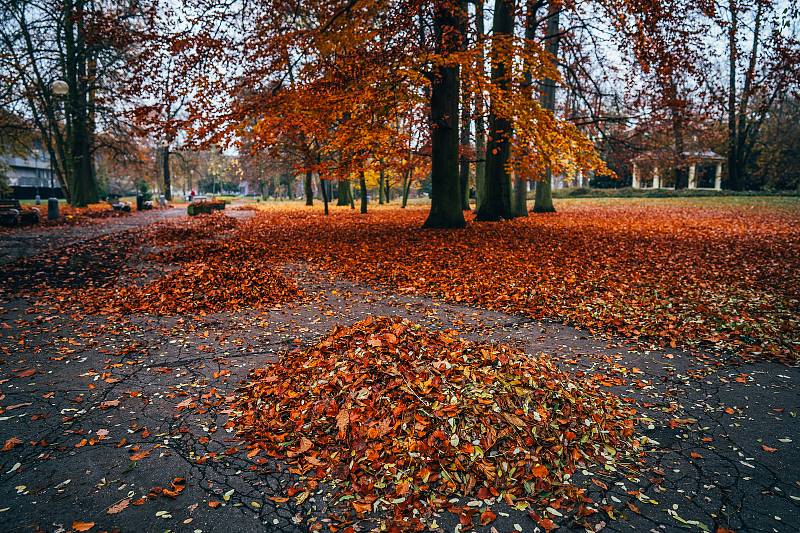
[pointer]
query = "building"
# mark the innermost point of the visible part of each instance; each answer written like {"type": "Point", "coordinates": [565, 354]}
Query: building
{"type": "Point", "coordinates": [30, 170]}
{"type": "Point", "coordinates": [704, 167]}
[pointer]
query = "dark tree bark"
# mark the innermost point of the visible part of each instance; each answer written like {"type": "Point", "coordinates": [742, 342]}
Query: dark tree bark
{"type": "Point", "coordinates": [343, 192]}
{"type": "Point", "coordinates": [309, 190]}
{"type": "Point", "coordinates": [480, 127]}
{"type": "Point", "coordinates": [543, 201]}
{"type": "Point", "coordinates": [464, 141]}
{"type": "Point", "coordinates": [363, 183]}
{"type": "Point", "coordinates": [167, 175]}
{"type": "Point", "coordinates": [497, 203]}
{"type": "Point", "coordinates": [445, 186]}
{"type": "Point", "coordinates": [531, 26]}
{"type": "Point", "coordinates": [406, 186]}
{"type": "Point", "coordinates": [381, 177]}
{"type": "Point", "coordinates": [324, 194]}
{"type": "Point", "coordinates": [83, 186]}
{"type": "Point", "coordinates": [677, 109]}
{"type": "Point", "coordinates": [735, 181]}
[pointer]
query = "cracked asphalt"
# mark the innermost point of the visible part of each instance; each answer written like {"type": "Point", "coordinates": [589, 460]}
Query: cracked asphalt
{"type": "Point", "coordinates": [83, 394]}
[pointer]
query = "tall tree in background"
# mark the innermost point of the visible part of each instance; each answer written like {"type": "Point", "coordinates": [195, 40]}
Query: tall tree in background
{"type": "Point", "coordinates": [757, 77]}
{"type": "Point", "coordinates": [543, 200]}
{"type": "Point", "coordinates": [497, 202]}
{"type": "Point", "coordinates": [47, 43]}
{"type": "Point", "coordinates": [446, 194]}
{"type": "Point", "coordinates": [531, 24]}
{"type": "Point", "coordinates": [480, 127]}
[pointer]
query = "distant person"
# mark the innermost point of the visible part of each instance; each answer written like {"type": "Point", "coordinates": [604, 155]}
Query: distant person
{"type": "Point", "coordinates": [191, 195]}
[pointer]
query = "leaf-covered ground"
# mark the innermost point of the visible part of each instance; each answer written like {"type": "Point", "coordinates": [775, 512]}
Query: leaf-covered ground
{"type": "Point", "coordinates": [124, 420]}
{"type": "Point", "coordinates": [402, 418]}
{"type": "Point", "coordinates": [197, 266]}
{"type": "Point", "coordinates": [689, 274]}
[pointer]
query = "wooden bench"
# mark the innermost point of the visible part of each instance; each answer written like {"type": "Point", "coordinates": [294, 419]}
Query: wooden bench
{"type": "Point", "coordinates": [12, 214]}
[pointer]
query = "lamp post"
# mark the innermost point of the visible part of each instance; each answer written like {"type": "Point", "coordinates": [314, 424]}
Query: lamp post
{"type": "Point", "coordinates": [59, 89]}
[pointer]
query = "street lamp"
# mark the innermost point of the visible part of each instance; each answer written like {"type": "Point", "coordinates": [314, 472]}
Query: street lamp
{"type": "Point", "coordinates": [59, 89]}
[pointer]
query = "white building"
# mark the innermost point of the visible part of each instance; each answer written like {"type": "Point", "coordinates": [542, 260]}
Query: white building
{"type": "Point", "coordinates": [32, 170]}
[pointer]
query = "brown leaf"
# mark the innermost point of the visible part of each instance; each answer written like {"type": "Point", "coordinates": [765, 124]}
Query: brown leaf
{"type": "Point", "coordinates": [119, 506]}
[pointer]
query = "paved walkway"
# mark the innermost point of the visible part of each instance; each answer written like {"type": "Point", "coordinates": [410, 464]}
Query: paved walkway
{"type": "Point", "coordinates": [22, 242]}
{"type": "Point", "coordinates": [83, 396]}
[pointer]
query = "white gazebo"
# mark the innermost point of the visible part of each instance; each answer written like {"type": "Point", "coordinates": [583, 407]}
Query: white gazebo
{"type": "Point", "coordinates": [706, 162]}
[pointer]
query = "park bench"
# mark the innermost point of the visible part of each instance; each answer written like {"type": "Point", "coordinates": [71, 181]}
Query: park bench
{"type": "Point", "coordinates": [12, 214]}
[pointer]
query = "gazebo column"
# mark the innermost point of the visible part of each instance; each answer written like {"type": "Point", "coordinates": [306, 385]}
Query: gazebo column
{"type": "Point", "coordinates": [693, 176]}
{"type": "Point", "coordinates": [635, 180]}
{"type": "Point", "coordinates": [656, 179]}
{"type": "Point", "coordinates": [718, 177]}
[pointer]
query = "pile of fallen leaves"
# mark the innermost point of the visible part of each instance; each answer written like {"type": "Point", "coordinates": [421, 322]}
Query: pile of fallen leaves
{"type": "Point", "coordinates": [402, 418]}
{"type": "Point", "coordinates": [198, 266]}
{"type": "Point", "coordinates": [217, 272]}
{"type": "Point", "coordinates": [213, 285]}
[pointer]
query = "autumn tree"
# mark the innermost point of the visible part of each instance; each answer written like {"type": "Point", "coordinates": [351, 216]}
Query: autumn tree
{"type": "Point", "coordinates": [63, 46]}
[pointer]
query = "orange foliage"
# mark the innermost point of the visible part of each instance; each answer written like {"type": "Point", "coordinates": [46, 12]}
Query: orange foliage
{"type": "Point", "coordinates": [677, 275]}
{"type": "Point", "coordinates": [402, 414]}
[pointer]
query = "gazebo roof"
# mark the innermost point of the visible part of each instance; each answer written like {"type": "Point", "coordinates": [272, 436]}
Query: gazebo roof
{"type": "Point", "coordinates": [689, 156]}
{"type": "Point", "coordinates": [705, 155]}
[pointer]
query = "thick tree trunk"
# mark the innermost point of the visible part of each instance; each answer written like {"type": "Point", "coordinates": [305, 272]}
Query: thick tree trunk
{"type": "Point", "coordinates": [531, 27]}
{"type": "Point", "coordinates": [309, 190]}
{"type": "Point", "coordinates": [352, 196]}
{"type": "Point", "coordinates": [445, 186]}
{"type": "Point", "coordinates": [167, 175]}
{"type": "Point", "coordinates": [497, 204]}
{"type": "Point", "coordinates": [406, 186]}
{"type": "Point", "coordinates": [543, 201]}
{"type": "Point", "coordinates": [362, 180]}
{"type": "Point", "coordinates": [343, 192]}
{"type": "Point", "coordinates": [480, 127]}
{"type": "Point", "coordinates": [83, 186]}
{"type": "Point", "coordinates": [734, 170]}
{"type": "Point", "coordinates": [324, 194]}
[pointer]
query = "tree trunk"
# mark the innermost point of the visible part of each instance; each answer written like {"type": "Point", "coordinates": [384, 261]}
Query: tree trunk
{"type": "Point", "coordinates": [480, 127]}
{"type": "Point", "coordinates": [387, 190]}
{"type": "Point", "coordinates": [84, 182]}
{"type": "Point", "coordinates": [531, 27]}
{"type": "Point", "coordinates": [497, 204]}
{"type": "Point", "coordinates": [167, 176]}
{"type": "Point", "coordinates": [543, 201]}
{"type": "Point", "coordinates": [406, 186]}
{"type": "Point", "coordinates": [350, 191]}
{"type": "Point", "coordinates": [734, 171]}
{"type": "Point", "coordinates": [680, 176]}
{"type": "Point", "coordinates": [381, 177]}
{"type": "Point", "coordinates": [464, 159]}
{"type": "Point", "coordinates": [363, 183]}
{"type": "Point", "coordinates": [445, 186]}
{"type": "Point", "coordinates": [324, 193]}
{"type": "Point", "coordinates": [309, 190]}
{"type": "Point", "coordinates": [343, 192]}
